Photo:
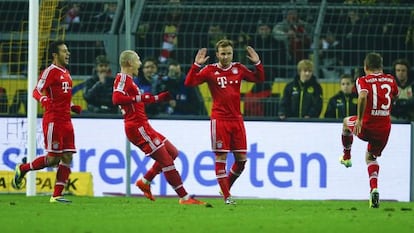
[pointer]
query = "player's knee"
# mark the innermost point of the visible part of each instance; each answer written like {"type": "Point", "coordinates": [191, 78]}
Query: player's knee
{"type": "Point", "coordinates": [52, 161]}
{"type": "Point", "coordinates": [221, 156]}
{"type": "Point", "coordinates": [67, 158]}
{"type": "Point", "coordinates": [369, 157]}
{"type": "Point", "coordinates": [172, 150]}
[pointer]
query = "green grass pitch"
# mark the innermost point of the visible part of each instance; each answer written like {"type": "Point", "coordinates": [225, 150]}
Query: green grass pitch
{"type": "Point", "coordinates": [19, 213]}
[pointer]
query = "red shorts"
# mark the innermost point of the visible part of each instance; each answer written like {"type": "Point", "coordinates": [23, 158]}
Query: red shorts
{"type": "Point", "coordinates": [59, 137]}
{"type": "Point", "coordinates": [144, 137]}
{"type": "Point", "coordinates": [377, 138]}
{"type": "Point", "coordinates": [228, 135]}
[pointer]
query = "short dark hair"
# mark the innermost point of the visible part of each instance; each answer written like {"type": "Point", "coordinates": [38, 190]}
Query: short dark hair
{"type": "Point", "coordinates": [101, 59]}
{"type": "Point", "coordinates": [346, 76]}
{"type": "Point", "coordinates": [54, 47]}
{"type": "Point", "coordinates": [173, 62]}
{"type": "Point", "coordinates": [151, 59]}
{"type": "Point", "coordinates": [373, 61]}
{"type": "Point", "coordinates": [401, 61]}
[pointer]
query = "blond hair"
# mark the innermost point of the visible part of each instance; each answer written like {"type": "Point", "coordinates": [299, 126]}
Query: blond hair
{"type": "Point", "coordinates": [224, 43]}
{"type": "Point", "coordinates": [126, 55]}
{"type": "Point", "coordinates": [305, 64]}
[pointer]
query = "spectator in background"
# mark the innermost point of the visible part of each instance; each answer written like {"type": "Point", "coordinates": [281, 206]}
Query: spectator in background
{"type": "Point", "coordinates": [72, 19]}
{"type": "Point", "coordinates": [409, 38]}
{"type": "Point", "coordinates": [145, 40]}
{"type": "Point", "coordinates": [272, 52]}
{"type": "Point", "coordinates": [344, 103]}
{"type": "Point", "coordinates": [98, 88]}
{"type": "Point", "coordinates": [403, 107]}
{"type": "Point", "coordinates": [170, 32]}
{"type": "Point", "coordinates": [240, 45]}
{"type": "Point", "coordinates": [329, 55]}
{"type": "Point", "coordinates": [148, 82]}
{"type": "Point", "coordinates": [103, 21]}
{"type": "Point", "coordinates": [352, 40]}
{"type": "Point", "coordinates": [4, 102]}
{"type": "Point", "coordinates": [302, 97]}
{"type": "Point", "coordinates": [19, 99]}
{"type": "Point", "coordinates": [296, 34]}
{"type": "Point", "coordinates": [185, 100]}
{"type": "Point", "coordinates": [273, 55]}
{"type": "Point", "coordinates": [214, 34]}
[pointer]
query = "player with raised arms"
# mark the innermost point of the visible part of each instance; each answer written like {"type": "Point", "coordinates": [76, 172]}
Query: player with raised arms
{"type": "Point", "coordinates": [228, 133]}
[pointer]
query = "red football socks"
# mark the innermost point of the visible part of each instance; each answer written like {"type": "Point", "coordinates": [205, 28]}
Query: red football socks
{"type": "Point", "coordinates": [347, 140]}
{"type": "Point", "coordinates": [222, 178]}
{"type": "Point", "coordinates": [62, 176]}
{"type": "Point", "coordinates": [163, 159]}
{"type": "Point", "coordinates": [235, 171]}
{"type": "Point", "coordinates": [174, 179]}
{"type": "Point", "coordinates": [153, 171]}
{"type": "Point", "coordinates": [37, 164]}
{"type": "Point", "coordinates": [373, 171]}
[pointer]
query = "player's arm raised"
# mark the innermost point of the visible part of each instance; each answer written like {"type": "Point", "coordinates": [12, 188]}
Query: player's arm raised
{"type": "Point", "coordinates": [258, 75]}
{"type": "Point", "coordinates": [193, 75]}
{"type": "Point", "coordinates": [252, 55]}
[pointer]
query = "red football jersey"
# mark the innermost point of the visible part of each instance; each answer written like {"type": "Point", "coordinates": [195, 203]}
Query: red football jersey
{"type": "Point", "coordinates": [382, 89]}
{"type": "Point", "coordinates": [224, 85]}
{"type": "Point", "coordinates": [56, 83]}
{"type": "Point", "coordinates": [134, 111]}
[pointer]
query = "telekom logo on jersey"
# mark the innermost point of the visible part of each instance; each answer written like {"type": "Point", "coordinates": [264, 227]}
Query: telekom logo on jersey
{"type": "Point", "coordinates": [222, 81]}
{"type": "Point", "coordinates": [65, 87]}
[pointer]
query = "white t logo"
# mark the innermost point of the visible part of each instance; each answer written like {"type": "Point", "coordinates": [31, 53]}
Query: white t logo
{"type": "Point", "coordinates": [65, 87]}
{"type": "Point", "coordinates": [222, 81]}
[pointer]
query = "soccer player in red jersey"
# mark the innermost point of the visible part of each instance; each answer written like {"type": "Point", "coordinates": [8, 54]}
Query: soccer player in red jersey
{"type": "Point", "coordinates": [131, 101]}
{"type": "Point", "coordinates": [54, 92]}
{"type": "Point", "coordinates": [372, 124]}
{"type": "Point", "coordinates": [227, 126]}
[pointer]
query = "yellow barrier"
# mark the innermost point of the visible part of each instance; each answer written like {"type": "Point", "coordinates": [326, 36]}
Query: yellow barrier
{"type": "Point", "coordinates": [79, 183]}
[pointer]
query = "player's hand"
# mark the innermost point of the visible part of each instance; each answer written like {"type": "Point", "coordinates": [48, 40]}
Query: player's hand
{"type": "Point", "coordinates": [45, 102]}
{"type": "Point", "coordinates": [252, 55]}
{"type": "Point", "coordinates": [163, 96]}
{"type": "Point", "coordinates": [145, 98]}
{"type": "Point", "coordinates": [76, 109]}
{"type": "Point", "coordinates": [201, 57]}
{"type": "Point", "coordinates": [357, 127]}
